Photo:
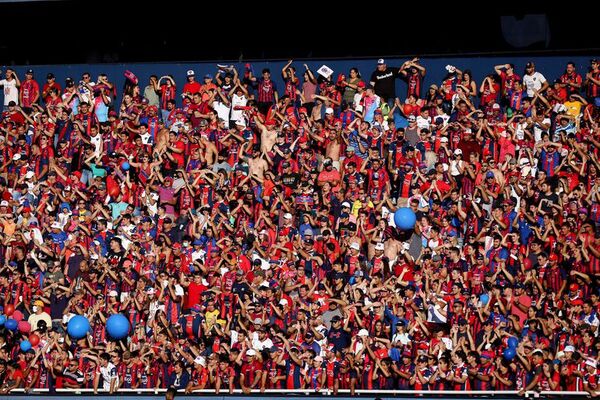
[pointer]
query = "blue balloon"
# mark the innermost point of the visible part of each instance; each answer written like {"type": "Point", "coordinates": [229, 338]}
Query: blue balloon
{"type": "Point", "coordinates": [25, 345]}
{"type": "Point", "coordinates": [484, 298]}
{"type": "Point", "coordinates": [11, 324]}
{"type": "Point", "coordinates": [125, 166]}
{"type": "Point", "coordinates": [513, 342]}
{"type": "Point", "coordinates": [509, 353]}
{"type": "Point", "coordinates": [405, 218]}
{"type": "Point", "coordinates": [117, 326]}
{"type": "Point", "coordinates": [78, 327]}
{"type": "Point", "coordinates": [2, 319]}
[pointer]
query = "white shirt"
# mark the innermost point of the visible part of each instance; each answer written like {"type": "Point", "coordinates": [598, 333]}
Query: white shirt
{"type": "Point", "coordinates": [97, 142]}
{"type": "Point", "coordinates": [222, 111]}
{"type": "Point", "coordinates": [108, 374]}
{"type": "Point", "coordinates": [11, 93]}
{"type": "Point", "coordinates": [533, 82]}
{"type": "Point", "coordinates": [259, 345]}
{"type": "Point", "coordinates": [239, 101]}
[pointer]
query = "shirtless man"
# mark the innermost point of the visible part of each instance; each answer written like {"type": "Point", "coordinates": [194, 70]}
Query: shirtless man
{"type": "Point", "coordinates": [333, 147]}
{"type": "Point", "coordinates": [257, 164]}
{"type": "Point", "coordinates": [162, 140]}
{"type": "Point", "coordinates": [210, 151]}
{"type": "Point", "coordinates": [268, 136]}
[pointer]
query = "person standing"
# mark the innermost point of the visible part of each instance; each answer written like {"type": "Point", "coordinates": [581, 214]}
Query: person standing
{"type": "Point", "coordinates": [383, 79]}
{"type": "Point", "coordinates": [534, 81]}
{"type": "Point", "coordinates": [29, 92]}
{"type": "Point", "coordinates": [11, 85]}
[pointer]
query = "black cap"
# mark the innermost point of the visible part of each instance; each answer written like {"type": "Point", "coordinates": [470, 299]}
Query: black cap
{"type": "Point", "coordinates": [29, 71]}
{"type": "Point", "coordinates": [50, 76]}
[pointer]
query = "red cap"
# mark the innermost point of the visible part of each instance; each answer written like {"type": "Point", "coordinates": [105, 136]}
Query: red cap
{"type": "Point", "coordinates": [361, 84]}
{"type": "Point", "coordinates": [574, 287]}
{"type": "Point", "coordinates": [577, 302]}
{"type": "Point", "coordinates": [302, 110]}
{"type": "Point", "coordinates": [553, 257]}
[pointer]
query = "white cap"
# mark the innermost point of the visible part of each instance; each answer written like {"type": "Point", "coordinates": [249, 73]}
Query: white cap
{"type": "Point", "coordinates": [287, 216]}
{"type": "Point", "coordinates": [251, 352]}
{"type": "Point", "coordinates": [29, 175]}
{"type": "Point", "coordinates": [283, 302]}
{"type": "Point", "coordinates": [363, 333]}
{"type": "Point", "coordinates": [355, 246]}
{"type": "Point", "coordinates": [458, 151]}
{"type": "Point", "coordinates": [3, 203]}
{"type": "Point", "coordinates": [329, 110]}
{"type": "Point", "coordinates": [241, 123]}
{"type": "Point", "coordinates": [591, 362]}
{"type": "Point", "coordinates": [154, 196]}
{"type": "Point", "coordinates": [346, 204]}
{"type": "Point", "coordinates": [151, 290]}
{"type": "Point", "coordinates": [381, 61]}
{"type": "Point", "coordinates": [319, 359]}
{"type": "Point", "coordinates": [200, 360]}
{"type": "Point", "coordinates": [190, 72]}
{"type": "Point", "coordinates": [379, 246]}
{"type": "Point", "coordinates": [569, 348]}
{"type": "Point", "coordinates": [444, 139]}
{"type": "Point", "coordinates": [524, 161]}
{"type": "Point", "coordinates": [113, 293]}
{"type": "Point", "coordinates": [17, 156]}
{"type": "Point", "coordinates": [56, 225]}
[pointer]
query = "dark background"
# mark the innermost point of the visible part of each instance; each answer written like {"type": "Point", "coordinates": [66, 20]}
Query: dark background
{"type": "Point", "coordinates": [66, 32]}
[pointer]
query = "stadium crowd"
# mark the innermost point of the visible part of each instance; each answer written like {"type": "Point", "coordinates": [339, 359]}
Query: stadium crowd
{"type": "Point", "coordinates": [248, 235]}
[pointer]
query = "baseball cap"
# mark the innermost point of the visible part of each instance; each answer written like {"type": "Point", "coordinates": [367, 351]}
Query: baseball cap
{"type": "Point", "coordinates": [361, 84]}
{"type": "Point", "coordinates": [355, 246]}
{"type": "Point", "coordinates": [38, 303]}
{"type": "Point", "coordinates": [496, 106]}
{"type": "Point", "coordinates": [251, 352]}
{"type": "Point", "coordinates": [190, 72]}
{"type": "Point", "coordinates": [208, 76]}
{"type": "Point", "coordinates": [380, 61]}
{"type": "Point", "coordinates": [287, 216]}
{"type": "Point", "coordinates": [346, 204]}
{"type": "Point", "coordinates": [363, 333]}
{"type": "Point", "coordinates": [569, 348]}
{"type": "Point", "coordinates": [458, 151]}
{"type": "Point", "coordinates": [379, 246]}
{"type": "Point", "coordinates": [329, 110]}
{"type": "Point", "coordinates": [113, 293]}
{"type": "Point", "coordinates": [591, 362]}
{"type": "Point", "coordinates": [574, 287]}
{"type": "Point", "coordinates": [29, 71]}
{"type": "Point", "coordinates": [489, 174]}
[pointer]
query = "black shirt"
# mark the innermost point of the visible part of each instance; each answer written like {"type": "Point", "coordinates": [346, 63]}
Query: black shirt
{"type": "Point", "coordinates": [385, 82]}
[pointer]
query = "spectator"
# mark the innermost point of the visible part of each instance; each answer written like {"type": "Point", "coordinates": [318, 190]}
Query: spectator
{"type": "Point", "coordinates": [266, 256]}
